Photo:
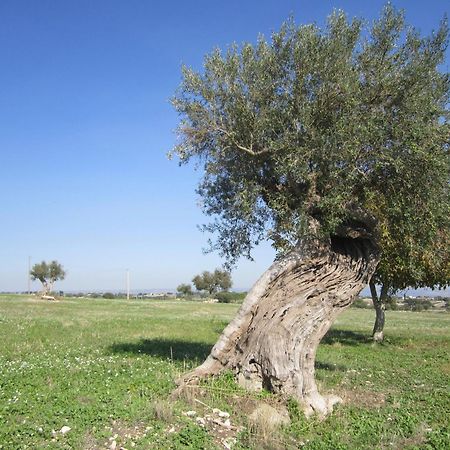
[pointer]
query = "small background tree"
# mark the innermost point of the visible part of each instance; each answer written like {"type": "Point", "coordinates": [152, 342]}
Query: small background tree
{"type": "Point", "coordinates": [415, 261]}
{"type": "Point", "coordinates": [47, 274]}
{"type": "Point", "coordinates": [219, 280]}
{"type": "Point", "coordinates": [184, 289]}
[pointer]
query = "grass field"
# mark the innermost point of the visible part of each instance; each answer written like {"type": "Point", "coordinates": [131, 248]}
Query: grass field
{"type": "Point", "coordinates": [106, 370]}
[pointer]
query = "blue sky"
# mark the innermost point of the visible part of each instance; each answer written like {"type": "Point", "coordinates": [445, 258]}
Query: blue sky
{"type": "Point", "coordinates": [85, 125]}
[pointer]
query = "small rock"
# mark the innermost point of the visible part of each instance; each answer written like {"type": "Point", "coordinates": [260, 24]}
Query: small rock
{"type": "Point", "coordinates": [224, 414]}
{"type": "Point", "coordinates": [226, 424]}
{"type": "Point", "coordinates": [191, 413]}
{"type": "Point", "coordinates": [216, 410]}
{"type": "Point", "coordinates": [65, 429]}
{"type": "Point", "coordinates": [172, 430]}
{"type": "Point", "coordinates": [201, 421]}
{"type": "Point", "coordinates": [113, 445]}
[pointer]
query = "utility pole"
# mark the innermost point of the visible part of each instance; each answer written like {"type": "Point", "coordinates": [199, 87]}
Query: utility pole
{"type": "Point", "coordinates": [29, 275]}
{"type": "Point", "coordinates": [128, 284]}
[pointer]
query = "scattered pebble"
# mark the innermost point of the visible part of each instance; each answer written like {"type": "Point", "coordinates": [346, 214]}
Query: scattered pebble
{"type": "Point", "coordinates": [65, 429]}
{"type": "Point", "coordinates": [201, 421]}
{"type": "Point", "coordinates": [228, 443]}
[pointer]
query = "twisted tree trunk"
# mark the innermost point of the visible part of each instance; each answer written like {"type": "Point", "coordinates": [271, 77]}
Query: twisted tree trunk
{"type": "Point", "coordinates": [272, 341]}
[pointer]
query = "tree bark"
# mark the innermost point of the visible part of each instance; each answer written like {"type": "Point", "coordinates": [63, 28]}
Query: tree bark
{"type": "Point", "coordinates": [45, 288]}
{"type": "Point", "coordinates": [379, 303]}
{"type": "Point", "coordinates": [272, 341]}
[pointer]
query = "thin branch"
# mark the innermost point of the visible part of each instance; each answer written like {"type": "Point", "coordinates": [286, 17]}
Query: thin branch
{"type": "Point", "coordinates": [248, 150]}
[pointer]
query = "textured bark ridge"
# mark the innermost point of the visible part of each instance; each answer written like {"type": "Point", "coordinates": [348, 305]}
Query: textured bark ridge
{"type": "Point", "coordinates": [272, 341]}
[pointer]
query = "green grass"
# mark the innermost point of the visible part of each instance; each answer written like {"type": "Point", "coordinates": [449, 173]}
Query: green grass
{"type": "Point", "coordinates": [106, 369]}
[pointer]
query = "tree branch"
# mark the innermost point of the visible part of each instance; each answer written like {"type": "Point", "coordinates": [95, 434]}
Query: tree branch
{"type": "Point", "coordinates": [248, 150]}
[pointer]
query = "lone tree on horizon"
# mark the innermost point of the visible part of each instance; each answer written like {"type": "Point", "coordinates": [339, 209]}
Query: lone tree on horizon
{"type": "Point", "coordinates": [47, 274]}
{"type": "Point", "coordinates": [316, 140]}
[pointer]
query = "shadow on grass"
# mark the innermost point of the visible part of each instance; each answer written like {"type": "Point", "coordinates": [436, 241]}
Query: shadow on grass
{"type": "Point", "coordinates": [330, 367]}
{"type": "Point", "coordinates": [180, 350]}
{"type": "Point", "coordinates": [345, 337]}
{"type": "Point", "coordinates": [164, 348]}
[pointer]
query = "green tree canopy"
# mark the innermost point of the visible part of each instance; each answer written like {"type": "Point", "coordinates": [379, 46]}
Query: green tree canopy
{"type": "Point", "coordinates": [322, 131]}
{"type": "Point", "coordinates": [47, 274]}
{"type": "Point", "coordinates": [219, 280]}
{"type": "Point", "coordinates": [184, 289]}
{"type": "Point", "coordinates": [407, 260]}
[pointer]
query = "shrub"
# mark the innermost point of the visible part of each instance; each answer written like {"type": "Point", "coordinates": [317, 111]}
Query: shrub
{"type": "Point", "coordinates": [417, 304]}
{"type": "Point", "coordinates": [360, 303]}
{"type": "Point", "coordinates": [230, 297]}
{"type": "Point", "coordinates": [391, 304]}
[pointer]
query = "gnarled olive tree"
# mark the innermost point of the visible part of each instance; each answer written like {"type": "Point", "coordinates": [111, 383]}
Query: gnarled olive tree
{"type": "Point", "coordinates": [311, 140]}
{"type": "Point", "coordinates": [47, 274]}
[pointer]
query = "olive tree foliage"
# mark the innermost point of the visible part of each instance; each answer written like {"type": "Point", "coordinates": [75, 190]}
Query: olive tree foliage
{"type": "Point", "coordinates": [320, 130]}
{"type": "Point", "coordinates": [47, 274]}
{"type": "Point", "coordinates": [184, 289]}
{"type": "Point", "coordinates": [212, 282]}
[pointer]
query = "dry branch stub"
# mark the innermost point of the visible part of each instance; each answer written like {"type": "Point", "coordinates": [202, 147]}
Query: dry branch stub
{"type": "Point", "coordinates": [272, 341]}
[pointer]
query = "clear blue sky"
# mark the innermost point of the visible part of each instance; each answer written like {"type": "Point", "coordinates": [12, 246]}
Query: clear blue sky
{"type": "Point", "coordinates": [85, 125]}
